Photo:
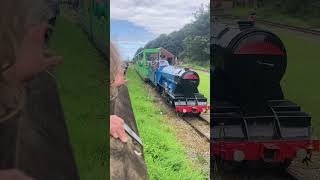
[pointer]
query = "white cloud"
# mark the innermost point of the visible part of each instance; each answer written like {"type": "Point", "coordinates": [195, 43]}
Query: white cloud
{"type": "Point", "coordinates": [156, 16]}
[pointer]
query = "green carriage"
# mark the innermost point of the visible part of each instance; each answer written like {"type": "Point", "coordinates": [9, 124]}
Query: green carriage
{"type": "Point", "coordinates": [142, 61]}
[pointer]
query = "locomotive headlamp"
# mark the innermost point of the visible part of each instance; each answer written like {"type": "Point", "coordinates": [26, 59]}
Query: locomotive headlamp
{"type": "Point", "coordinates": [238, 155]}
{"type": "Point", "coordinates": [301, 154]}
{"type": "Point", "coordinates": [184, 110]}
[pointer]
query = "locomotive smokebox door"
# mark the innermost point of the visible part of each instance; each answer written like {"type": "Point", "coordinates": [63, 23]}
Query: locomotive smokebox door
{"type": "Point", "coordinates": [248, 64]}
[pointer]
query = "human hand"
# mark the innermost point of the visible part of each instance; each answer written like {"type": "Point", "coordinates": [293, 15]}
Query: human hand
{"type": "Point", "coordinates": [117, 129]}
{"type": "Point", "coordinates": [119, 80]}
{"type": "Point", "coordinates": [30, 56]}
{"type": "Point", "coordinates": [13, 174]}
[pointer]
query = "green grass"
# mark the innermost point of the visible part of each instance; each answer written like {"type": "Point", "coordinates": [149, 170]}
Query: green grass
{"type": "Point", "coordinates": [274, 16]}
{"type": "Point", "coordinates": [301, 82]}
{"type": "Point", "coordinates": [83, 98]}
{"type": "Point", "coordinates": [241, 12]}
{"type": "Point", "coordinates": [197, 67]}
{"type": "Point", "coordinates": [165, 156]}
{"type": "Point", "coordinates": [204, 86]}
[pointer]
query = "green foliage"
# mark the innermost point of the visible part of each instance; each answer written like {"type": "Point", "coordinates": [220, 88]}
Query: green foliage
{"type": "Point", "coordinates": [197, 67]}
{"type": "Point", "coordinates": [197, 48]}
{"type": "Point", "coordinates": [83, 98]}
{"type": "Point", "coordinates": [191, 42]}
{"type": "Point", "coordinates": [165, 156]}
{"type": "Point", "coordinates": [296, 7]}
{"type": "Point", "coordinates": [292, 12]}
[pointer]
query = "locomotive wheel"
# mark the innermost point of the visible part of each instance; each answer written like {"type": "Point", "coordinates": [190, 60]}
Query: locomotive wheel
{"type": "Point", "coordinates": [159, 89]}
{"type": "Point", "coordinates": [172, 104]}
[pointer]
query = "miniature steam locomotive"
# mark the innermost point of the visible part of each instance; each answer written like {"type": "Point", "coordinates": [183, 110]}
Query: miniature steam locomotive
{"type": "Point", "coordinates": [252, 122]}
{"type": "Point", "coordinates": [179, 86]}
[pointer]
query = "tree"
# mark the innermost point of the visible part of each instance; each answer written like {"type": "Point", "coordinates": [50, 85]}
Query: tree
{"type": "Point", "coordinates": [191, 41]}
{"type": "Point", "coordinates": [196, 49]}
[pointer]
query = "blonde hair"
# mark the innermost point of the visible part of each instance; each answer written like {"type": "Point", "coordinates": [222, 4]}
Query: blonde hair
{"type": "Point", "coordinates": [115, 66]}
{"type": "Point", "coordinates": [16, 18]}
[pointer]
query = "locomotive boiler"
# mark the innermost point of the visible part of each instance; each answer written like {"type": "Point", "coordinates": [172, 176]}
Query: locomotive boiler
{"type": "Point", "coordinates": [252, 121]}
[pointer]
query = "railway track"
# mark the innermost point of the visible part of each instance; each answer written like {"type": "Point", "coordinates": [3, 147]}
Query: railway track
{"type": "Point", "coordinates": [200, 124]}
{"type": "Point", "coordinates": [294, 175]}
{"type": "Point", "coordinates": [277, 25]}
{"type": "Point", "coordinates": [294, 28]}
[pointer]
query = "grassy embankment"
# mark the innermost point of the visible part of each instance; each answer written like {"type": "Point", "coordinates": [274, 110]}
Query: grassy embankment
{"type": "Point", "coordinates": [274, 16]}
{"type": "Point", "coordinates": [301, 82]}
{"type": "Point", "coordinates": [83, 98]}
{"type": "Point", "coordinates": [165, 156]}
{"type": "Point", "coordinates": [196, 67]}
{"type": "Point", "coordinates": [204, 86]}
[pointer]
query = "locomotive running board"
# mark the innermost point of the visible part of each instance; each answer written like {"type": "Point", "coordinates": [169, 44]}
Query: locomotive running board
{"type": "Point", "coordinates": [183, 101]}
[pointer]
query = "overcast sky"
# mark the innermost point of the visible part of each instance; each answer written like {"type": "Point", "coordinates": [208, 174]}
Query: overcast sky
{"type": "Point", "coordinates": [135, 22]}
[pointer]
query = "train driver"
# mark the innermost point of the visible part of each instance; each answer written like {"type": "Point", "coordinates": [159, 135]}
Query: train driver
{"type": "Point", "coordinates": [162, 58]}
{"type": "Point", "coordinates": [163, 61]}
